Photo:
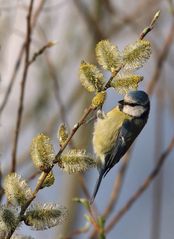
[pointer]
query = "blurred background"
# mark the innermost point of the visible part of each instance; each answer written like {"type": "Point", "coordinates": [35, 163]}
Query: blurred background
{"type": "Point", "coordinates": [53, 94]}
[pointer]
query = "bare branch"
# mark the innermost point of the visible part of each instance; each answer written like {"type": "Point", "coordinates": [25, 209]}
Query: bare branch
{"type": "Point", "coordinates": [142, 188]}
{"type": "Point", "coordinates": [23, 82]}
{"type": "Point", "coordinates": [19, 59]}
{"type": "Point", "coordinates": [161, 60]}
{"type": "Point", "coordinates": [41, 51]}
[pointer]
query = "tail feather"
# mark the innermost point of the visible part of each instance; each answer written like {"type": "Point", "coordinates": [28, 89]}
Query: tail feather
{"type": "Point", "coordinates": [97, 186]}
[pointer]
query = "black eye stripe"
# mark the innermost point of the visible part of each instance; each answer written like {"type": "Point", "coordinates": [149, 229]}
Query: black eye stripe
{"type": "Point", "coordinates": [135, 104]}
{"type": "Point", "coordinates": [131, 104]}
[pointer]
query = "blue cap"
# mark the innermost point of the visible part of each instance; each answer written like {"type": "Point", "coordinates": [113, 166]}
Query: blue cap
{"type": "Point", "coordinates": [136, 97]}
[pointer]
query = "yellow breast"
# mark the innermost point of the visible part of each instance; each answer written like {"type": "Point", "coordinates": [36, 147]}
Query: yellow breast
{"type": "Point", "coordinates": [106, 131]}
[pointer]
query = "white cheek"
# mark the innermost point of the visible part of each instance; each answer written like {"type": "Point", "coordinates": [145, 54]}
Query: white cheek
{"type": "Point", "coordinates": [135, 111]}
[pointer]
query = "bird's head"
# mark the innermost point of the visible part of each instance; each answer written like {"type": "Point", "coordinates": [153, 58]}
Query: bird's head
{"type": "Point", "coordinates": [135, 103]}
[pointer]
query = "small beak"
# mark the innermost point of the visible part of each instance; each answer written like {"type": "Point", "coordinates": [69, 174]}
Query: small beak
{"type": "Point", "coordinates": [121, 102]}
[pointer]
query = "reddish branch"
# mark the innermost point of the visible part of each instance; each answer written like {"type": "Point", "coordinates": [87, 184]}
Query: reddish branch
{"type": "Point", "coordinates": [19, 60]}
{"type": "Point", "coordinates": [142, 188]}
{"type": "Point", "coordinates": [161, 60]}
{"type": "Point", "coordinates": [23, 83]}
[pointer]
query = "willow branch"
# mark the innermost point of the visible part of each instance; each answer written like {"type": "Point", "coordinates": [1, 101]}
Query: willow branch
{"type": "Point", "coordinates": [150, 27]}
{"type": "Point", "coordinates": [45, 174]}
{"type": "Point", "coordinates": [141, 37]}
{"type": "Point", "coordinates": [74, 130]}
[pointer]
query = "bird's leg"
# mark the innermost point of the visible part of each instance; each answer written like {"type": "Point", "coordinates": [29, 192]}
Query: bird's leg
{"type": "Point", "coordinates": [101, 114]}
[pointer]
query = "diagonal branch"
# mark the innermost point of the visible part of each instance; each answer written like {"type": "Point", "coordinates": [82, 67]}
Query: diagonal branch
{"type": "Point", "coordinates": [161, 60]}
{"type": "Point", "coordinates": [142, 188]}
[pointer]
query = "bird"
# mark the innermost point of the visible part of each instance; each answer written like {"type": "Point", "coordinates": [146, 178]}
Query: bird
{"type": "Point", "coordinates": [115, 131]}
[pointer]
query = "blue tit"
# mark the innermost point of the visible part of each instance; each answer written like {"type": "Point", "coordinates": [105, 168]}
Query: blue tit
{"type": "Point", "coordinates": [116, 131]}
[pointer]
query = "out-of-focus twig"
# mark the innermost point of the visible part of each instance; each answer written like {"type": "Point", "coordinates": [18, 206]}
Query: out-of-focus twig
{"type": "Point", "coordinates": [33, 176]}
{"type": "Point", "coordinates": [1, 188]}
{"type": "Point", "coordinates": [53, 74]}
{"type": "Point", "coordinates": [78, 232]}
{"type": "Point", "coordinates": [161, 60]}
{"type": "Point", "coordinates": [142, 188]}
{"type": "Point", "coordinates": [158, 184]}
{"type": "Point", "coordinates": [41, 51]}
{"type": "Point", "coordinates": [76, 94]}
{"type": "Point", "coordinates": [19, 59]}
{"type": "Point", "coordinates": [141, 37]}
{"type": "Point", "coordinates": [23, 83]}
{"type": "Point", "coordinates": [91, 22]}
{"type": "Point", "coordinates": [130, 19]}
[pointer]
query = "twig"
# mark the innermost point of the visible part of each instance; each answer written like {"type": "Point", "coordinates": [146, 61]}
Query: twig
{"type": "Point", "coordinates": [23, 82]}
{"type": "Point", "coordinates": [78, 231]}
{"type": "Point", "coordinates": [53, 74]}
{"type": "Point", "coordinates": [132, 17]}
{"type": "Point", "coordinates": [150, 27]}
{"type": "Point", "coordinates": [91, 22]}
{"type": "Point", "coordinates": [75, 128]}
{"type": "Point", "coordinates": [1, 188]}
{"type": "Point", "coordinates": [161, 60]}
{"type": "Point", "coordinates": [10, 86]}
{"type": "Point", "coordinates": [142, 188]}
{"type": "Point", "coordinates": [158, 184]}
{"type": "Point", "coordinates": [19, 60]}
{"type": "Point", "coordinates": [142, 35]}
{"type": "Point", "coordinates": [44, 175]}
{"type": "Point", "coordinates": [41, 51]}
{"type": "Point", "coordinates": [33, 176]}
{"type": "Point", "coordinates": [108, 83]}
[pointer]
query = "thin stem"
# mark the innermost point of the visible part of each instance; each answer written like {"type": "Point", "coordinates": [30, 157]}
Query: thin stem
{"type": "Point", "coordinates": [142, 35]}
{"type": "Point", "coordinates": [23, 83]}
{"type": "Point", "coordinates": [19, 60]}
{"type": "Point", "coordinates": [41, 51]}
{"type": "Point", "coordinates": [150, 27]}
{"type": "Point", "coordinates": [142, 188]}
{"type": "Point", "coordinates": [158, 185]}
{"type": "Point", "coordinates": [74, 130]}
{"type": "Point", "coordinates": [161, 60]}
{"type": "Point", "coordinates": [44, 174]}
